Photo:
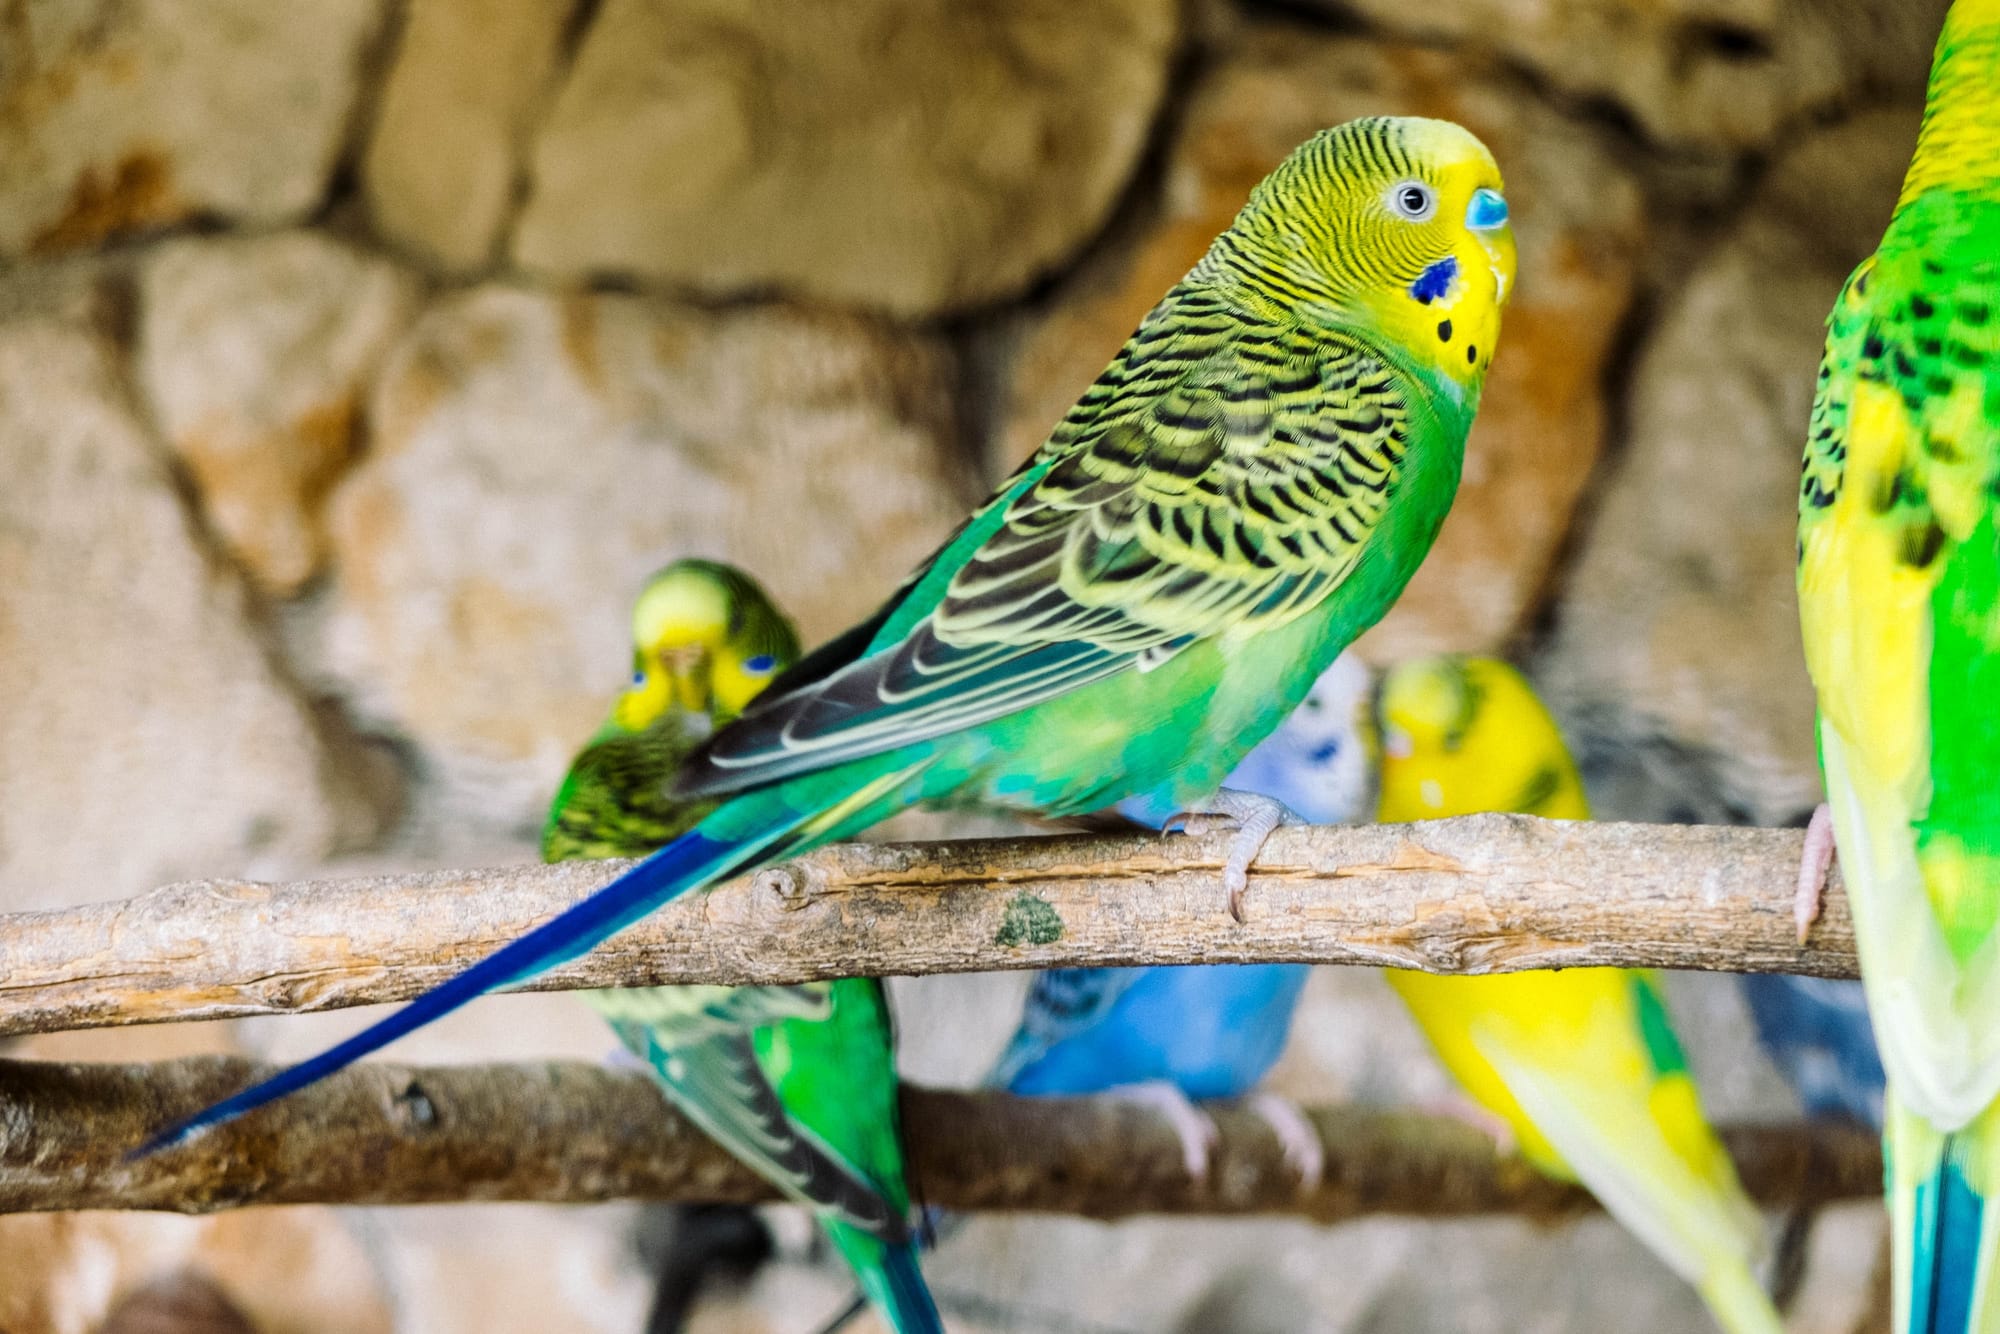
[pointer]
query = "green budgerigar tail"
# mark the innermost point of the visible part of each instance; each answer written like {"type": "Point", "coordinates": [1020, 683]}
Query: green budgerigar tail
{"type": "Point", "coordinates": [890, 1278]}
{"type": "Point", "coordinates": [1945, 1229]}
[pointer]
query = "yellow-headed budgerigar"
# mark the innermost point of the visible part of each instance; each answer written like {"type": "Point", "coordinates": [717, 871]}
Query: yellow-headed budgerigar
{"type": "Point", "coordinates": [1899, 600]}
{"type": "Point", "coordinates": [799, 1081]}
{"type": "Point", "coordinates": [1582, 1065]}
{"type": "Point", "coordinates": [1244, 490]}
{"type": "Point", "coordinates": [705, 641]}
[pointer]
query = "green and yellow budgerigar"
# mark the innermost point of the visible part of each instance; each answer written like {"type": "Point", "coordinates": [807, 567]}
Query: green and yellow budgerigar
{"type": "Point", "coordinates": [705, 640]}
{"type": "Point", "coordinates": [1582, 1065]}
{"type": "Point", "coordinates": [1244, 490]}
{"type": "Point", "coordinates": [799, 1081]}
{"type": "Point", "coordinates": [1899, 600]}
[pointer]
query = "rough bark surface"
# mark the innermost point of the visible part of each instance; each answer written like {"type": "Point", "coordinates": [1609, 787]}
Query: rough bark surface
{"type": "Point", "coordinates": [1478, 894]}
{"type": "Point", "coordinates": [382, 1133]}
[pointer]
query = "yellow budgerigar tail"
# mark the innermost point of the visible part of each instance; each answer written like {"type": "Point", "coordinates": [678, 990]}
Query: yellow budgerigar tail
{"type": "Point", "coordinates": [1660, 1171]}
{"type": "Point", "coordinates": [1737, 1300]}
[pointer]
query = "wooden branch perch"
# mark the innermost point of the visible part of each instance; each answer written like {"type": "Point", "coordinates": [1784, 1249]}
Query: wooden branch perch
{"type": "Point", "coordinates": [1484, 893]}
{"type": "Point", "coordinates": [571, 1133]}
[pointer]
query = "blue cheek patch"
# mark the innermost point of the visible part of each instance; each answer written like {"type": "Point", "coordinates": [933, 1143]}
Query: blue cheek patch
{"type": "Point", "coordinates": [1435, 281]}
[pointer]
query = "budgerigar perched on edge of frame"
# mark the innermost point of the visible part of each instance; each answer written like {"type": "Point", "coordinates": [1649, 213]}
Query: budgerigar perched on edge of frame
{"type": "Point", "coordinates": [1581, 1064]}
{"type": "Point", "coordinates": [800, 1081]}
{"type": "Point", "coordinates": [1899, 602]}
{"type": "Point", "coordinates": [1168, 1035]}
{"type": "Point", "coordinates": [1244, 490]}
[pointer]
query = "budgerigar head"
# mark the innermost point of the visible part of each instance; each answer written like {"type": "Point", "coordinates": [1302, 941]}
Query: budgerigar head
{"type": "Point", "coordinates": [1393, 225]}
{"type": "Point", "coordinates": [1463, 734]}
{"type": "Point", "coordinates": [705, 639]}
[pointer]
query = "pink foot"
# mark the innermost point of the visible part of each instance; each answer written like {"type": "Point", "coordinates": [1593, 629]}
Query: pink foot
{"type": "Point", "coordinates": [1459, 1108]}
{"type": "Point", "coordinates": [1191, 1126]}
{"type": "Point", "coordinates": [1304, 1151]}
{"type": "Point", "coordinates": [1813, 868]}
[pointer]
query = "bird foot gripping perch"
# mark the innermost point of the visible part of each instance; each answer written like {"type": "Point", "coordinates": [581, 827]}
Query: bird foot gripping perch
{"type": "Point", "coordinates": [1814, 866]}
{"type": "Point", "coordinates": [1298, 1139]}
{"type": "Point", "coordinates": [1254, 817]}
{"type": "Point", "coordinates": [1457, 1106]}
{"type": "Point", "coordinates": [1193, 1127]}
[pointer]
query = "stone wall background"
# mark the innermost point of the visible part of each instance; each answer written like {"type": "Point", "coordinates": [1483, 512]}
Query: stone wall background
{"type": "Point", "coordinates": [359, 357]}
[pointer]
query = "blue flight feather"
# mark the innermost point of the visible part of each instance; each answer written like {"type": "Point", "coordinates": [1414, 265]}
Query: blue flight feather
{"type": "Point", "coordinates": [688, 861]}
{"type": "Point", "coordinates": [1816, 1031]}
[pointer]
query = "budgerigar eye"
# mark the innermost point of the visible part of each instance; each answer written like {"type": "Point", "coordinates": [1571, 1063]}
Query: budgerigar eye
{"type": "Point", "coordinates": [761, 665]}
{"type": "Point", "coordinates": [1413, 200]}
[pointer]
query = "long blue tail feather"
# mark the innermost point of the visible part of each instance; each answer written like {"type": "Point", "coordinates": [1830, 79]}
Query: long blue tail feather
{"type": "Point", "coordinates": [689, 862]}
{"type": "Point", "coordinates": [901, 1292]}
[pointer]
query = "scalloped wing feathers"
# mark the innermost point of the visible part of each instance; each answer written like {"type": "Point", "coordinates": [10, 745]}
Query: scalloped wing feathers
{"type": "Point", "coordinates": [1221, 478]}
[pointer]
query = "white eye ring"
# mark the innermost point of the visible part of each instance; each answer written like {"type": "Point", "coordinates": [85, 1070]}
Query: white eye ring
{"type": "Point", "coordinates": [1413, 200]}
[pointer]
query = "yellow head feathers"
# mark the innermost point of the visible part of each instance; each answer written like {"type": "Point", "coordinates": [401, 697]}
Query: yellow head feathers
{"type": "Point", "coordinates": [1392, 225]}
{"type": "Point", "coordinates": [1958, 148]}
{"type": "Point", "coordinates": [1461, 735]}
{"type": "Point", "coordinates": [705, 639]}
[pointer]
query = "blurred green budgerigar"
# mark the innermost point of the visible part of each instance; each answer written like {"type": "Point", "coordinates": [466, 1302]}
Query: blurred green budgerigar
{"type": "Point", "coordinates": [799, 1082]}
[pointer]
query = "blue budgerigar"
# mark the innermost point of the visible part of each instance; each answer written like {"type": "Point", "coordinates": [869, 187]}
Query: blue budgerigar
{"type": "Point", "coordinates": [1816, 1031]}
{"type": "Point", "coordinates": [1168, 1035]}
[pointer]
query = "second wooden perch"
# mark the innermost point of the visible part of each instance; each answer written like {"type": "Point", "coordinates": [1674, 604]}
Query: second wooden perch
{"type": "Point", "coordinates": [383, 1133]}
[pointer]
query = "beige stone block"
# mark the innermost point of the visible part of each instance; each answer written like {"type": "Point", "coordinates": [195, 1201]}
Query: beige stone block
{"type": "Point", "coordinates": [255, 355]}
{"type": "Point", "coordinates": [1678, 647]}
{"type": "Point", "coordinates": [534, 457]}
{"type": "Point", "coordinates": [147, 736]}
{"type": "Point", "coordinates": [121, 115]}
{"type": "Point", "coordinates": [1728, 74]}
{"type": "Point", "coordinates": [915, 157]}
{"type": "Point", "coordinates": [450, 135]}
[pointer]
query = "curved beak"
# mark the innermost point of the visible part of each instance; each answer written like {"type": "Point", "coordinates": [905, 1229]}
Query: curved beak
{"type": "Point", "coordinates": [687, 669]}
{"type": "Point", "coordinates": [1486, 219]}
{"type": "Point", "coordinates": [1487, 211]}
